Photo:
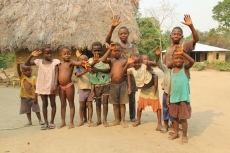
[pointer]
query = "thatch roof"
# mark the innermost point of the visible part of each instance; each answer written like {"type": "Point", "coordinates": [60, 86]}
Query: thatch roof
{"type": "Point", "coordinates": [29, 24]}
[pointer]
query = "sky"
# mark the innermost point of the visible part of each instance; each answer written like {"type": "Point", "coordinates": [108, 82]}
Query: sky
{"type": "Point", "coordinates": [199, 10]}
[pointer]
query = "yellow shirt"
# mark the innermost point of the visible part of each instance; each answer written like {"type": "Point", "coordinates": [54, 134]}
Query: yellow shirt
{"type": "Point", "coordinates": [27, 93]}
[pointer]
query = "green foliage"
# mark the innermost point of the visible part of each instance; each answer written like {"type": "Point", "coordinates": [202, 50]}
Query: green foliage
{"type": "Point", "coordinates": [221, 13]}
{"type": "Point", "coordinates": [6, 60]}
{"type": "Point", "coordinates": [150, 36]}
{"type": "Point", "coordinates": [221, 66]}
{"type": "Point", "coordinates": [199, 66]}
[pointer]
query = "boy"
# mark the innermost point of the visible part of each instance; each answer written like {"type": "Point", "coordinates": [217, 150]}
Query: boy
{"type": "Point", "coordinates": [66, 86]}
{"type": "Point", "coordinates": [29, 99]}
{"type": "Point", "coordinates": [100, 79]}
{"type": "Point", "coordinates": [165, 86]}
{"type": "Point", "coordinates": [127, 50]}
{"type": "Point", "coordinates": [84, 86]}
{"type": "Point", "coordinates": [119, 89]}
{"type": "Point", "coordinates": [177, 35]}
{"type": "Point", "coordinates": [178, 98]}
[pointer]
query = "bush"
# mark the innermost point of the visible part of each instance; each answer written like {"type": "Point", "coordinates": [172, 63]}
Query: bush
{"type": "Point", "coordinates": [221, 66]}
{"type": "Point", "coordinates": [200, 66]}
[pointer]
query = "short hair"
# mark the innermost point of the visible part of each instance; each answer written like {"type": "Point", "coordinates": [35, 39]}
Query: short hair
{"type": "Point", "coordinates": [64, 47]}
{"type": "Point", "coordinates": [97, 43]}
{"type": "Point", "coordinates": [136, 55]}
{"type": "Point", "coordinates": [118, 44]}
{"type": "Point", "coordinates": [23, 66]}
{"type": "Point", "coordinates": [179, 28]}
{"type": "Point", "coordinates": [144, 55]}
{"type": "Point", "coordinates": [124, 28]}
{"type": "Point", "coordinates": [46, 46]}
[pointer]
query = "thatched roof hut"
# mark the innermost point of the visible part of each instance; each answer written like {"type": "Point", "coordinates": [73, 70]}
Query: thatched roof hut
{"type": "Point", "coordinates": [29, 24]}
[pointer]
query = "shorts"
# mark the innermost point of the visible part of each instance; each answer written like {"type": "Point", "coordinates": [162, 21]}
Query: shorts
{"type": "Point", "coordinates": [101, 91]}
{"type": "Point", "coordinates": [85, 95]}
{"type": "Point", "coordinates": [118, 93]}
{"type": "Point", "coordinates": [181, 110]}
{"type": "Point", "coordinates": [149, 98]}
{"type": "Point", "coordinates": [27, 104]}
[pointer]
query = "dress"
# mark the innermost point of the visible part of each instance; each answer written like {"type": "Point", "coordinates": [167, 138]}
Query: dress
{"type": "Point", "coordinates": [46, 76]}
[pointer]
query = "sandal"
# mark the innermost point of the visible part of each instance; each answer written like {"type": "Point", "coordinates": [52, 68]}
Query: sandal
{"type": "Point", "coordinates": [44, 127]}
{"type": "Point", "coordinates": [52, 126]}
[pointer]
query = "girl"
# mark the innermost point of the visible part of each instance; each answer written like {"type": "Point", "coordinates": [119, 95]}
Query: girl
{"type": "Point", "coordinates": [46, 85]}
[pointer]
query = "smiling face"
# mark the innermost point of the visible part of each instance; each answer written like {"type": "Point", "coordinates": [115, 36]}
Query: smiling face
{"type": "Point", "coordinates": [137, 63]}
{"type": "Point", "coordinates": [144, 58]}
{"type": "Point", "coordinates": [66, 54]}
{"type": "Point", "coordinates": [97, 50]}
{"type": "Point", "coordinates": [178, 60]}
{"type": "Point", "coordinates": [26, 70]}
{"type": "Point", "coordinates": [123, 34]}
{"type": "Point", "coordinates": [47, 54]}
{"type": "Point", "coordinates": [176, 35]}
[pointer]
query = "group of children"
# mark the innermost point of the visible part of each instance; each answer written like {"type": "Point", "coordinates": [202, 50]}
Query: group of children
{"type": "Point", "coordinates": [113, 78]}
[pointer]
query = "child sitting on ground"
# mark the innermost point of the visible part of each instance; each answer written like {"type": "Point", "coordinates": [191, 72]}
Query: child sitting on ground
{"type": "Point", "coordinates": [119, 88]}
{"type": "Point", "coordinates": [29, 99]}
{"type": "Point", "coordinates": [178, 98]}
{"type": "Point", "coordinates": [148, 83]}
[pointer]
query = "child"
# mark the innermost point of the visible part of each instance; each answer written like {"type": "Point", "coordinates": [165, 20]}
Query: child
{"type": "Point", "coordinates": [177, 35]}
{"type": "Point", "coordinates": [165, 86]}
{"type": "Point", "coordinates": [127, 50]}
{"type": "Point", "coordinates": [84, 86]}
{"type": "Point", "coordinates": [46, 84]}
{"type": "Point", "coordinates": [148, 83]}
{"type": "Point", "coordinates": [119, 90]}
{"type": "Point", "coordinates": [66, 86]}
{"type": "Point", "coordinates": [27, 92]}
{"type": "Point", "coordinates": [100, 79]}
{"type": "Point", "coordinates": [179, 98]}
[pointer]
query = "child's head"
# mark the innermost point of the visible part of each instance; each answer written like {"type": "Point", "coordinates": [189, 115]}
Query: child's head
{"type": "Point", "coordinates": [178, 59]}
{"type": "Point", "coordinates": [137, 63]}
{"type": "Point", "coordinates": [144, 58]}
{"type": "Point", "coordinates": [65, 53]}
{"type": "Point", "coordinates": [47, 52]}
{"type": "Point", "coordinates": [83, 58]}
{"type": "Point", "coordinates": [97, 48]}
{"type": "Point", "coordinates": [176, 35]}
{"type": "Point", "coordinates": [123, 34]}
{"type": "Point", "coordinates": [116, 52]}
{"type": "Point", "coordinates": [26, 70]}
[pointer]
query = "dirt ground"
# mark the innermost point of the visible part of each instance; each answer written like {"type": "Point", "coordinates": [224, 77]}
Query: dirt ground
{"type": "Point", "coordinates": [208, 127]}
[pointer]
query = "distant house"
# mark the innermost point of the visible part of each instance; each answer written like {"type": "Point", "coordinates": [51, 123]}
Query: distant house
{"type": "Point", "coordinates": [203, 53]}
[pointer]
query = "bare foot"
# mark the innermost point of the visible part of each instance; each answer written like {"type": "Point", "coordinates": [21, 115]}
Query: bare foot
{"type": "Point", "coordinates": [124, 125]}
{"type": "Point", "coordinates": [62, 125]}
{"type": "Point", "coordinates": [164, 130]}
{"type": "Point", "coordinates": [28, 124]}
{"type": "Point", "coordinates": [184, 140]}
{"type": "Point", "coordinates": [174, 136]}
{"type": "Point", "coordinates": [158, 128]}
{"type": "Point", "coordinates": [71, 125]}
{"type": "Point", "coordinates": [136, 124]}
{"type": "Point", "coordinates": [115, 123]}
{"type": "Point", "coordinates": [90, 123]}
{"type": "Point", "coordinates": [105, 124]}
{"type": "Point", "coordinates": [171, 133]}
{"type": "Point", "coordinates": [80, 124]}
{"type": "Point", "coordinates": [96, 124]}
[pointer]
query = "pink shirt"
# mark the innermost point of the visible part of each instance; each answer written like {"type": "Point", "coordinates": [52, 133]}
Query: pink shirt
{"type": "Point", "coordinates": [46, 75]}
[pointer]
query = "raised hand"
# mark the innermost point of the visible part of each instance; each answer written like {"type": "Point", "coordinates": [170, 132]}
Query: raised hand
{"type": "Point", "coordinates": [112, 46]}
{"type": "Point", "coordinates": [86, 65]}
{"type": "Point", "coordinates": [131, 60]}
{"type": "Point", "coordinates": [178, 49]}
{"type": "Point", "coordinates": [187, 20]}
{"type": "Point", "coordinates": [36, 52]}
{"type": "Point", "coordinates": [158, 50]}
{"type": "Point", "coordinates": [20, 60]}
{"type": "Point", "coordinates": [96, 58]}
{"type": "Point", "coordinates": [115, 20]}
{"type": "Point", "coordinates": [78, 53]}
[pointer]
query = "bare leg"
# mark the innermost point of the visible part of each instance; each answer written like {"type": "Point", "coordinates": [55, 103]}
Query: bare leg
{"type": "Point", "coordinates": [138, 121]}
{"type": "Point", "coordinates": [39, 118]}
{"type": "Point", "coordinates": [98, 109]}
{"type": "Point", "coordinates": [159, 125]}
{"type": "Point", "coordinates": [44, 108]}
{"type": "Point", "coordinates": [53, 106]}
{"type": "Point", "coordinates": [29, 119]}
{"type": "Point", "coordinates": [184, 129]}
{"type": "Point", "coordinates": [176, 128]}
{"type": "Point", "coordinates": [123, 110]}
{"type": "Point", "coordinates": [70, 97]}
{"type": "Point", "coordinates": [116, 114]}
{"type": "Point", "coordinates": [105, 110]}
{"type": "Point", "coordinates": [81, 113]}
{"type": "Point", "coordinates": [85, 115]}
{"type": "Point", "coordinates": [166, 126]}
{"type": "Point", "coordinates": [62, 97]}
{"type": "Point", "coordinates": [90, 112]}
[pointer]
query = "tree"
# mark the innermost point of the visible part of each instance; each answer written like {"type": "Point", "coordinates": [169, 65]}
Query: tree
{"type": "Point", "coordinates": [221, 13]}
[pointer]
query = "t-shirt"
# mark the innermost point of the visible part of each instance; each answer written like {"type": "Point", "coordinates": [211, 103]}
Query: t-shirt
{"type": "Point", "coordinates": [99, 78]}
{"type": "Point", "coordinates": [27, 93]}
{"type": "Point", "coordinates": [83, 81]}
{"type": "Point", "coordinates": [142, 75]}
